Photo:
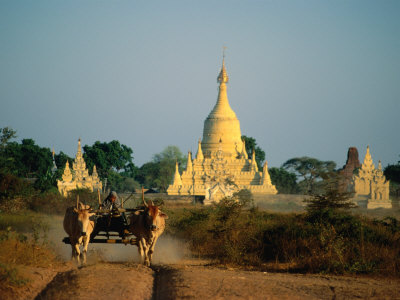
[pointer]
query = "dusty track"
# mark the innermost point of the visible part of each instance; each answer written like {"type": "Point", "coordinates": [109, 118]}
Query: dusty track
{"type": "Point", "coordinates": [191, 280]}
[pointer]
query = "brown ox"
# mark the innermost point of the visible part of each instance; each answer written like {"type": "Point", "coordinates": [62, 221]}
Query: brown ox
{"type": "Point", "coordinates": [147, 226]}
{"type": "Point", "coordinates": [78, 226]}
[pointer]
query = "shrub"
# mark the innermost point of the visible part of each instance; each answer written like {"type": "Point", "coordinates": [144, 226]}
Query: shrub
{"type": "Point", "coordinates": [326, 241]}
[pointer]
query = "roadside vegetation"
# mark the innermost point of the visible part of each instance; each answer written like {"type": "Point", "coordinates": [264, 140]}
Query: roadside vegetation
{"type": "Point", "coordinates": [328, 238]}
{"type": "Point", "coordinates": [23, 243]}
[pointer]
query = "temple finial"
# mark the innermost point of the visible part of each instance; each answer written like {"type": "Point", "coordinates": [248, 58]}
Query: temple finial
{"type": "Point", "coordinates": [223, 53]}
{"type": "Point", "coordinates": [223, 76]}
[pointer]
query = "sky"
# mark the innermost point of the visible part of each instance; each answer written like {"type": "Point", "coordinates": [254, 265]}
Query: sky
{"type": "Point", "coordinates": [307, 78]}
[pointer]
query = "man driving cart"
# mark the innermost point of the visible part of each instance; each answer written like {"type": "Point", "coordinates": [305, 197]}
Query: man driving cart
{"type": "Point", "coordinates": [112, 219]}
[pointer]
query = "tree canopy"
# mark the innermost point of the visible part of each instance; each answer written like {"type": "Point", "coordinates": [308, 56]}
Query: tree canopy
{"type": "Point", "coordinates": [251, 145]}
{"type": "Point", "coordinates": [284, 181]}
{"type": "Point", "coordinates": [310, 170]}
{"type": "Point", "coordinates": [160, 171]}
{"type": "Point", "coordinates": [108, 157]}
{"type": "Point", "coordinates": [392, 172]}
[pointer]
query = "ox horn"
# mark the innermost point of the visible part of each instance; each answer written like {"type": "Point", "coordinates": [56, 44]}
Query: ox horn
{"type": "Point", "coordinates": [77, 201]}
{"type": "Point", "coordinates": [98, 194]}
{"type": "Point", "coordinates": [145, 204]}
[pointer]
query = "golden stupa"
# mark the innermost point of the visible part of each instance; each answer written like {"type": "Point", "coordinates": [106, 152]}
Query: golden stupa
{"type": "Point", "coordinates": [222, 165]}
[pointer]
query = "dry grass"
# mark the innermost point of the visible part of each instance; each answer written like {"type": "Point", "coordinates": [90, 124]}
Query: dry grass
{"type": "Point", "coordinates": [23, 242]}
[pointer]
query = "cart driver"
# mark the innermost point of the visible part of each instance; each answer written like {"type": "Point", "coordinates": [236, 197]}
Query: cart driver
{"type": "Point", "coordinates": [111, 201]}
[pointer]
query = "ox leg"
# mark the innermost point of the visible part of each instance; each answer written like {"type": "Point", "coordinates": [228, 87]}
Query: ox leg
{"type": "Point", "coordinates": [77, 252]}
{"type": "Point", "coordinates": [85, 247]}
{"type": "Point", "coordinates": [146, 254]}
{"type": "Point", "coordinates": [151, 249]}
{"type": "Point", "coordinates": [142, 250]}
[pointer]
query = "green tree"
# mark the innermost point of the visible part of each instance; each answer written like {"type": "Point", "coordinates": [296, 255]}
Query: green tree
{"type": "Point", "coordinates": [148, 173]}
{"type": "Point", "coordinates": [392, 172]}
{"type": "Point", "coordinates": [251, 145]}
{"type": "Point", "coordinates": [28, 159]}
{"type": "Point", "coordinates": [108, 157]}
{"type": "Point", "coordinates": [160, 171]}
{"type": "Point", "coordinates": [6, 135]}
{"type": "Point", "coordinates": [284, 181]}
{"type": "Point", "coordinates": [310, 170]}
{"type": "Point", "coordinates": [121, 183]}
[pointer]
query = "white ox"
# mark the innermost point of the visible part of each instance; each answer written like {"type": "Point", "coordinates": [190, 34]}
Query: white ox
{"type": "Point", "coordinates": [78, 227]}
{"type": "Point", "coordinates": [147, 226]}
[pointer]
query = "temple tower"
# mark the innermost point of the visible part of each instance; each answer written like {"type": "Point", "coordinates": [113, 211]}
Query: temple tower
{"type": "Point", "coordinates": [372, 183]}
{"type": "Point", "coordinates": [79, 176]}
{"type": "Point", "coordinates": [222, 165]}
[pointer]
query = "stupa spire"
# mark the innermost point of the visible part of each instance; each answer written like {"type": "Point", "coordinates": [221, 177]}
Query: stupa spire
{"type": "Point", "coordinates": [266, 179]}
{"type": "Point", "coordinates": [223, 75]}
{"type": "Point", "coordinates": [222, 109]}
{"type": "Point", "coordinates": [177, 176]}
{"type": "Point", "coordinates": [79, 147]}
{"type": "Point", "coordinates": [368, 164]}
{"type": "Point", "coordinates": [244, 152]}
{"type": "Point", "coordinates": [199, 151]}
{"type": "Point", "coordinates": [253, 161]}
{"type": "Point", "coordinates": [189, 162]}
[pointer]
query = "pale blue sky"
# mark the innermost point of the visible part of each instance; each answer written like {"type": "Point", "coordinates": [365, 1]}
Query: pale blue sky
{"type": "Point", "coordinates": [306, 77]}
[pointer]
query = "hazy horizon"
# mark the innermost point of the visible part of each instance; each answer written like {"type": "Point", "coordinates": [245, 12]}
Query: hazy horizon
{"type": "Point", "coordinates": [306, 78]}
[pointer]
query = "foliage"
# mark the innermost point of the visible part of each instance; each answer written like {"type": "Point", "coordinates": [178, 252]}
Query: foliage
{"type": "Point", "coordinates": [392, 173]}
{"type": "Point", "coordinates": [6, 134]}
{"type": "Point", "coordinates": [310, 170]}
{"type": "Point", "coordinates": [331, 242]}
{"type": "Point", "coordinates": [251, 145]}
{"type": "Point", "coordinates": [160, 171]}
{"type": "Point", "coordinates": [27, 159]}
{"type": "Point", "coordinates": [120, 183]}
{"type": "Point", "coordinates": [109, 157]}
{"type": "Point", "coordinates": [284, 181]}
{"type": "Point", "coordinates": [12, 186]}
{"type": "Point", "coordinates": [331, 197]}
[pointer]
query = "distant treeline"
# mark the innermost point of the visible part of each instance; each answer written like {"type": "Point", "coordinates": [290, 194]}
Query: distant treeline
{"type": "Point", "coordinates": [114, 163]}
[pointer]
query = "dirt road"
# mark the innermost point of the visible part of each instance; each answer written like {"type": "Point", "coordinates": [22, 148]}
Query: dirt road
{"type": "Point", "coordinates": [193, 280]}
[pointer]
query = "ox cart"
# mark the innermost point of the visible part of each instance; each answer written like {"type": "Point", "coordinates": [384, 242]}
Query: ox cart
{"type": "Point", "coordinates": [139, 226]}
{"type": "Point", "coordinates": [111, 227]}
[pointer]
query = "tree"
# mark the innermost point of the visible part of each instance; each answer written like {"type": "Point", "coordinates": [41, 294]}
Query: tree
{"type": "Point", "coordinates": [28, 159]}
{"type": "Point", "coordinates": [332, 196]}
{"type": "Point", "coordinates": [160, 171]}
{"type": "Point", "coordinates": [6, 134]}
{"type": "Point", "coordinates": [108, 157]}
{"type": "Point", "coordinates": [392, 172]}
{"type": "Point", "coordinates": [284, 181]}
{"type": "Point", "coordinates": [310, 170]}
{"type": "Point", "coordinates": [251, 145]}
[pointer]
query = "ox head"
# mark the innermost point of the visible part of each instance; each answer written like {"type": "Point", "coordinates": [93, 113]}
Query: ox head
{"type": "Point", "coordinates": [152, 215]}
{"type": "Point", "coordinates": [83, 215]}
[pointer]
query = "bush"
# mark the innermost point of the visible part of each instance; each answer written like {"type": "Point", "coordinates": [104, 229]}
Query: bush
{"type": "Point", "coordinates": [326, 241]}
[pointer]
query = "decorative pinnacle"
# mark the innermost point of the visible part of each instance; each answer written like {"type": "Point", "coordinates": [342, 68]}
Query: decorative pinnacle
{"type": "Point", "coordinates": [223, 76]}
